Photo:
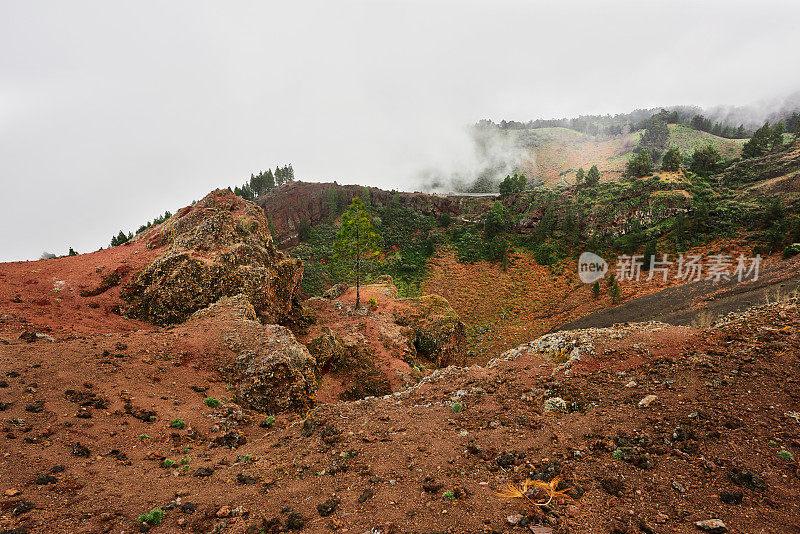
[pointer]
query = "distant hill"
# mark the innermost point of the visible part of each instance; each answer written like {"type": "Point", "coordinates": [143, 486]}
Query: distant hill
{"type": "Point", "coordinates": [557, 153]}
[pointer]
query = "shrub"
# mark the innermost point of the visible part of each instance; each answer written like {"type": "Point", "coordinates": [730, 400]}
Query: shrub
{"type": "Point", "coordinates": [373, 304]}
{"type": "Point", "coordinates": [445, 220]}
{"type": "Point", "coordinates": [152, 518]}
{"type": "Point", "coordinates": [640, 165]}
{"type": "Point", "coordinates": [211, 402]}
{"type": "Point", "coordinates": [791, 250]}
{"type": "Point", "coordinates": [672, 160]}
{"type": "Point", "coordinates": [167, 463]}
{"type": "Point", "coordinates": [449, 495]}
{"type": "Point", "coordinates": [618, 454]}
{"type": "Point", "coordinates": [304, 231]}
{"type": "Point", "coordinates": [786, 455]}
{"type": "Point", "coordinates": [270, 421]}
{"type": "Point", "coordinates": [705, 161]}
{"type": "Point", "coordinates": [615, 292]}
{"type": "Point", "coordinates": [456, 407]}
{"type": "Point", "coordinates": [177, 423]}
{"type": "Point", "coordinates": [545, 254]}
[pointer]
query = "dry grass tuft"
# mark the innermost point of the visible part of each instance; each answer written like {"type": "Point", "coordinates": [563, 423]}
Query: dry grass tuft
{"type": "Point", "coordinates": [528, 489]}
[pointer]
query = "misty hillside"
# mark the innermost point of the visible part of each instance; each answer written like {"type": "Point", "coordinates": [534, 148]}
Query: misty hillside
{"type": "Point", "coordinates": [551, 151]}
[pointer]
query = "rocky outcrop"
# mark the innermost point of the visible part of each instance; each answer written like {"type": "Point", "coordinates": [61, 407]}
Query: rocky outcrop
{"type": "Point", "coordinates": [277, 377]}
{"type": "Point", "coordinates": [293, 203]}
{"type": "Point", "coordinates": [221, 246]}
{"type": "Point", "coordinates": [268, 369]}
{"type": "Point", "coordinates": [439, 334]}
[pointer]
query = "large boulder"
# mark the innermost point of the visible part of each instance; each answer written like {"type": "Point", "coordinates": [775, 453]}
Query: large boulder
{"type": "Point", "coordinates": [277, 377]}
{"type": "Point", "coordinates": [439, 334]}
{"type": "Point", "coordinates": [220, 246]}
{"type": "Point", "coordinates": [269, 370]}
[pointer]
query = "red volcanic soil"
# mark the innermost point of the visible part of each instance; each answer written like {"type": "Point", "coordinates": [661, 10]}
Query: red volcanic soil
{"type": "Point", "coordinates": [87, 421]}
{"type": "Point", "coordinates": [45, 295]}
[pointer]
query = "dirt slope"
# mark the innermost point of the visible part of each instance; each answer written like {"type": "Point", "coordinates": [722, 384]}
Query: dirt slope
{"type": "Point", "coordinates": [700, 302]}
{"type": "Point", "coordinates": [415, 461]}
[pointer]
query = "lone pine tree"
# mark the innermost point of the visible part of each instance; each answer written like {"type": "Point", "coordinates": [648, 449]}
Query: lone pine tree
{"type": "Point", "coordinates": [357, 240]}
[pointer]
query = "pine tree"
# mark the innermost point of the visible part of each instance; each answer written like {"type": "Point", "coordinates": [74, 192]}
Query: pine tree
{"type": "Point", "coordinates": [705, 160]}
{"type": "Point", "coordinates": [672, 160]}
{"type": "Point", "coordinates": [357, 240]}
{"type": "Point", "coordinates": [777, 135]}
{"type": "Point", "coordinates": [615, 292]}
{"type": "Point", "coordinates": [593, 177]}
{"type": "Point", "coordinates": [579, 176]}
{"type": "Point", "coordinates": [640, 165]}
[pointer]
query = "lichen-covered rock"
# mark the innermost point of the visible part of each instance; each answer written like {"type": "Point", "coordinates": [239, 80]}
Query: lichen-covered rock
{"type": "Point", "coordinates": [326, 348]}
{"type": "Point", "coordinates": [439, 334]}
{"type": "Point", "coordinates": [336, 291]}
{"type": "Point", "coordinates": [219, 247]}
{"type": "Point", "coordinates": [278, 376]}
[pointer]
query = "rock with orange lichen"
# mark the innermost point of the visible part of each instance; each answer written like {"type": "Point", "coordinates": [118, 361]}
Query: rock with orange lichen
{"type": "Point", "coordinates": [270, 371]}
{"type": "Point", "coordinates": [221, 246]}
{"type": "Point", "coordinates": [439, 334]}
{"type": "Point", "coordinates": [277, 376]}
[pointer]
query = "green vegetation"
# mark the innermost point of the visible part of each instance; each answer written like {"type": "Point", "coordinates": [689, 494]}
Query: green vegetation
{"type": "Point", "coordinates": [705, 161]}
{"type": "Point", "coordinates": [357, 240]}
{"type": "Point", "coordinates": [709, 197]}
{"type": "Point", "coordinates": [121, 238]}
{"type": "Point", "coordinates": [263, 182]}
{"type": "Point", "coordinates": [449, 495]}
{"type": "Point", "coordinates": [177, 423]}
{"type": "Point", "coordinates": [152, 518]}
{"type": "Point", "coordinates": [786, 455]}
{"type": "Point", "coordinates": [672, 160]}
{"type": "Point", "coordinates": [593, 178]}
{"type": "Point", "coordinates": [639, 166]}
{"type": "Point", "coordinates": [456, 407]}
{"type": "Point", "coordinates": [211, 402]}
{"type": "Point", "coordinates": [513, 184]}
{"type": "Point", "coordinates": [167, 463]}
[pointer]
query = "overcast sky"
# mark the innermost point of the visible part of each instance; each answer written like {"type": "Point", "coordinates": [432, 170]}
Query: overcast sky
{"type": "Point", "coordinates": [113, 112]}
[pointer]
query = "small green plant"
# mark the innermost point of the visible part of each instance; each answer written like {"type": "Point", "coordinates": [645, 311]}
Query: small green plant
{"type": "Point", "coordinates": [269, 421]}
{"type": "Point", "coordinates": [185, 460]}
{"type": "Point", "coordinates": [373, 304]}
{"type": "Point", "coordinates": [152, 518]}
{"type": "Point", "coordinates": [449, 495]}
{"type": "Point", "coordinates": [247, 458]}
{"type": "Point", "coordinates": [177, 423]}
{"type": "Point", "coordinates": [786, 455]}
{"type": "Point", "coordinates": [167, 463]}
{"type": "Point", "coordinates": [456, 407]}
{"type": "Point", "coordinates": [772, 443]}
{"type": "Point", "coordinates": [211, 402]}
{"type": "Point", "coordinates": [144, 436]}
{"type": "Point", "coordinates": [617, 454]}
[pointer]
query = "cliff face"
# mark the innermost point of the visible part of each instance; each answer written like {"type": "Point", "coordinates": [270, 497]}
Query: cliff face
{"type": "Point", "coordinates": [290, 204]}
{"type": "Point", "coordinates": [219, 247]}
